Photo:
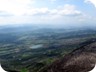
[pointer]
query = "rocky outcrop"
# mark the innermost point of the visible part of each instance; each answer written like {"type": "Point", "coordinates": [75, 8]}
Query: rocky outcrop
{"type": "Point", "coordinates": [82, 59]}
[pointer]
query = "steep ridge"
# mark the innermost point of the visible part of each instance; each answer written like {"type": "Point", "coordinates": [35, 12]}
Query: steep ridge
{"type": "Point", "coordinates": [82, 59]}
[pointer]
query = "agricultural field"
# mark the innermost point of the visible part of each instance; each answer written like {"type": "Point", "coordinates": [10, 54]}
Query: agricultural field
{"type": "Point", "coordinates": [31, 48]}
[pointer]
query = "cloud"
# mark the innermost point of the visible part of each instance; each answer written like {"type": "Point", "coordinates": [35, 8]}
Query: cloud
{"type": "Point", "coordinates": [20, 8]}
{"type": "Point", "coordinates": [69, 10]}
{"type": "Point", "coordinates": [66, 10]}
{"type": "Point", "coordinates": [15, 7]}
{"type": "Point", "coordinates": [91, 1]}
{"type": "Point", "coordinates": [37, 11]}
{"type": "Point", "coordinates": [53, 1]}
{"type": "Point", "coordinates": [5, 14]}
{"type": "Point", "coordinates": [27, 11]}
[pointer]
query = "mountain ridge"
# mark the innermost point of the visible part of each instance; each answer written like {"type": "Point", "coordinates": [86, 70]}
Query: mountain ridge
{"type": "Point", "coordinates": [82, 59]}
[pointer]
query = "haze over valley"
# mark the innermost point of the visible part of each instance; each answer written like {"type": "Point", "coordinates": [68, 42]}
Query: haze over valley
{"type": "Point", "coordinates": [47, 35]}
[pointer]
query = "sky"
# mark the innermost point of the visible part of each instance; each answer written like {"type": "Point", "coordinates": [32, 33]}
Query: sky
{"type": "Point", "coordinates": [65, 12]}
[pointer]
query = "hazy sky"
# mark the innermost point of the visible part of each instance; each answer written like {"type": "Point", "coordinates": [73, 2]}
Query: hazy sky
{"type": "Point", "coordinates": [47, 12]}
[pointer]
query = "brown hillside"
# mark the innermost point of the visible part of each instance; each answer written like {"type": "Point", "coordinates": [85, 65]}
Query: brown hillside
{"type": "Point", "coordinates": [82, 59]}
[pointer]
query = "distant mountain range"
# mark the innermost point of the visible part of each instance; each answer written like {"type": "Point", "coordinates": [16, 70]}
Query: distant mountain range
{"type": "Point", "coordinates": [82, 59]}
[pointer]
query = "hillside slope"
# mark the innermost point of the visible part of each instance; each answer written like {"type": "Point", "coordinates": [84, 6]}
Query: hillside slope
{"type": "Point", "coordinates": [82, 59]}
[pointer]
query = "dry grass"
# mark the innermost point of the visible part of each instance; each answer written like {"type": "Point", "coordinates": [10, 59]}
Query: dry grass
{"type": "Point", "coordinates": [80, 60]}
